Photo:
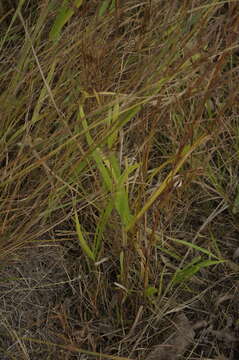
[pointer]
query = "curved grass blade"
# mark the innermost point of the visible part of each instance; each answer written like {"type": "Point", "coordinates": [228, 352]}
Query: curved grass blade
{"type": "Point", "coordinates": [83, 243]}
{"type": "Point", "coordinates": [193, 246]}
{"type": "Point", "coordinates": [65, 13]}
{"type": "Point", "coordinates": [190, 270]}
{"type": "Point", "coordinates": [106, 4]}
{"type": "Point", "coordinates": [104, 217]}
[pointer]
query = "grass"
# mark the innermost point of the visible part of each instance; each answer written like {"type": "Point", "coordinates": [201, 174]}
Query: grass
{"type": "Point", "coordinates": [119, 182]}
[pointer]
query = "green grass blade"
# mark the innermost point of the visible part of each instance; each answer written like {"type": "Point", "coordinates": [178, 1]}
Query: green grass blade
{"type": "Point", "coordinates": [112, 119]}
{"type": "Point", "coordinates": [65, 13]}
{"type": "Point", "coordinates": [101, 227]}
{"type": "Point", "coordinates": [193, 246]}
{"type": "Point", "coordinates": [129, 169]}
{"type": "Point", "coordinates": [106, 4]}
{"type": "Point", "coordinates": [129, 115]}
{"type": "Point", "coordinates": [121, 195]}
{"type": "Point", "coordinates": [186, 273]}
{"type": "Point", "coordinates": [121, 199]}
{"type": "Point", "coordinates": [122, 206]}
{"type": "Point", "coordinates": [83, 243]}
{"type": "Point", "coordinates": [96, 154]}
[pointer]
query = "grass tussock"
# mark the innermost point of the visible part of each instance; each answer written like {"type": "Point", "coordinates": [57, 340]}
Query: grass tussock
{"type": "Point", "coordinates": [119, 179]}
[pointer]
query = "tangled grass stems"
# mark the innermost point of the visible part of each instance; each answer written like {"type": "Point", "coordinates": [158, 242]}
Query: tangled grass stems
{"type": "Point", "coordinates": [119, 133]}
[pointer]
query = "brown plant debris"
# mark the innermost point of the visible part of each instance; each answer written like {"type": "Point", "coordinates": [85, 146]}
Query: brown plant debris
{"type": "Point", "coordinates": [176, 345]}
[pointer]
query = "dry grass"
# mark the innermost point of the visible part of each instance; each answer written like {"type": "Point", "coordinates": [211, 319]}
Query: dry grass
{"type": "Point", "coordinates": [119, 182]}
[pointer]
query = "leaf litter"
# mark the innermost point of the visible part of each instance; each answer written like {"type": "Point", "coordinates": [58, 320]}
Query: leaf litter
{"type": "Point", "coordinates": [176, 345]}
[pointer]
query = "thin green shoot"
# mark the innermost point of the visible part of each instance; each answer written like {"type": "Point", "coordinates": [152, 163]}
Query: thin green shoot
{"type": "Point", "coordinates": [66, 11]}
{"type": "Point", "coordinates": [83, 243]}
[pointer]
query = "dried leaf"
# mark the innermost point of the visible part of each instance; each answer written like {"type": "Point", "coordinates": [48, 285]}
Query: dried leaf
{"type": "Point", "coordinates": [176, 345]}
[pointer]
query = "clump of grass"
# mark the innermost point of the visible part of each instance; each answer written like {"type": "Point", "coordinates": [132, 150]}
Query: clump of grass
{"type": "Point", "coordinates": [119, 127]}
